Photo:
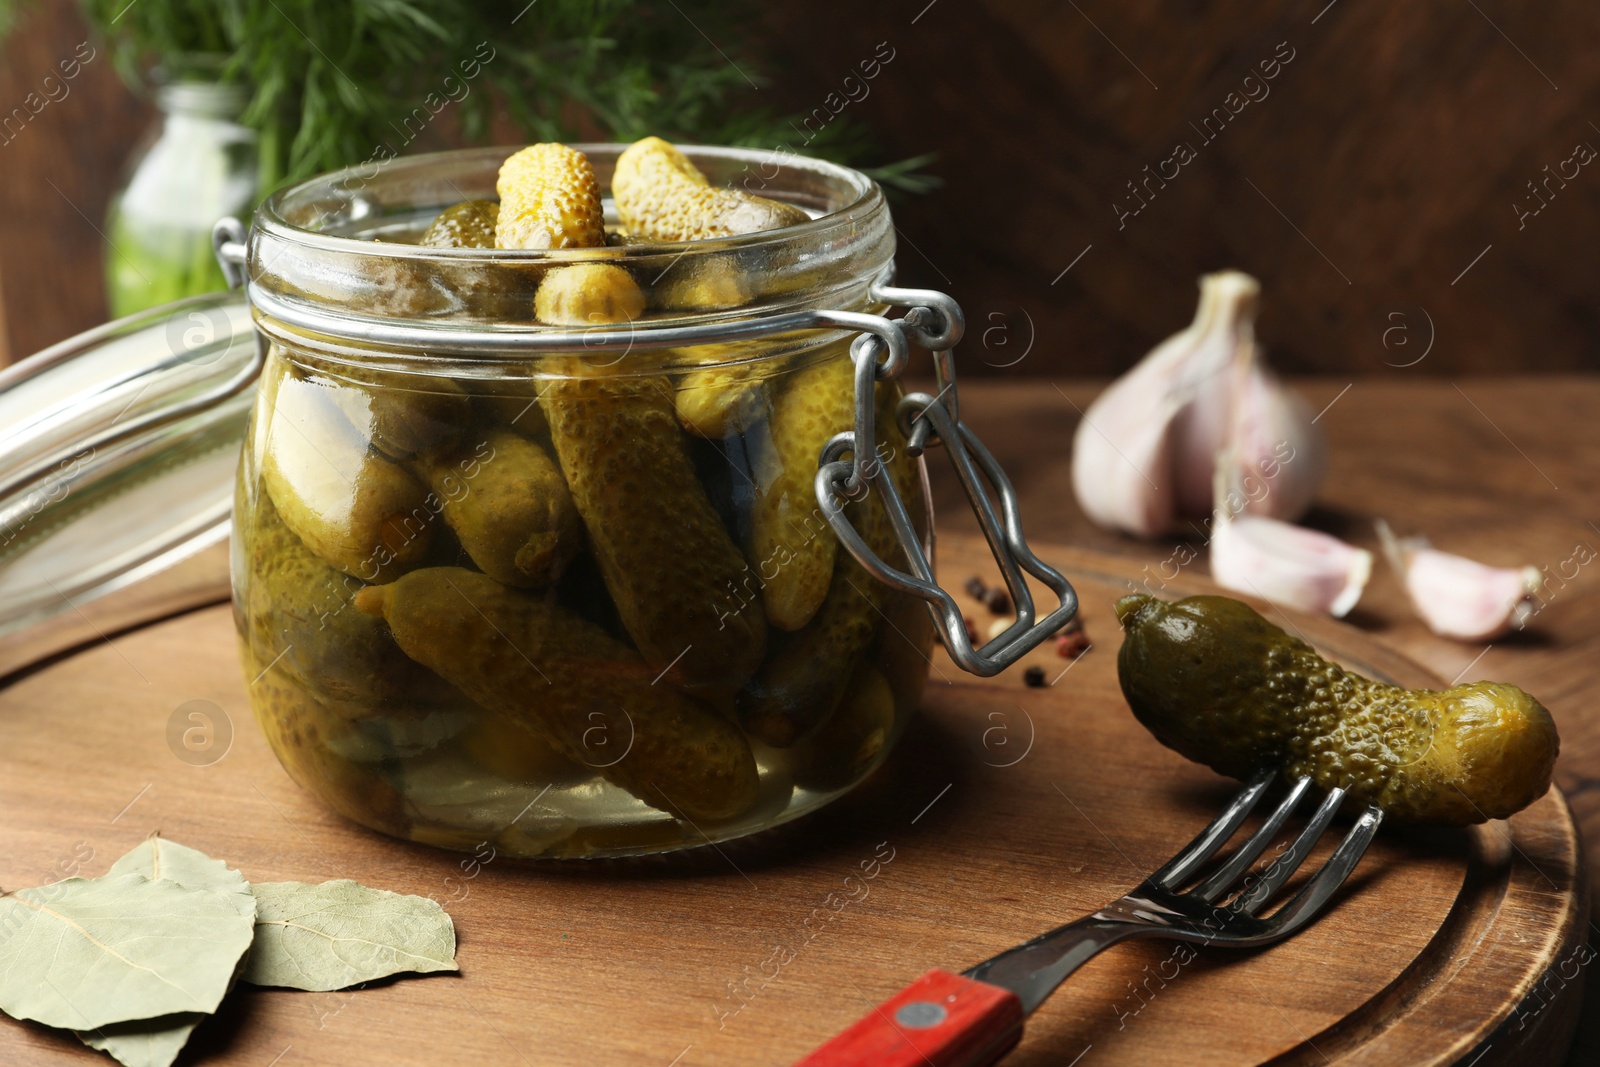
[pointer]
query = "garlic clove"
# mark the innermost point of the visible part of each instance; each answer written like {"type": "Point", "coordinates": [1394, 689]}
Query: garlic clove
{"type": "Point", "coordinates": [1122, 460]}
{"type": "Point", "coordinates": [1223, 328]}
{"type": "Point", "coordinates": [1459, 597]}
{"type": "Point", "coordinates": [1290, 565]}
{"type": "Point", "coordinates": [1144, 454]}
{"type": "Point", "coordinates": [1279, 450]}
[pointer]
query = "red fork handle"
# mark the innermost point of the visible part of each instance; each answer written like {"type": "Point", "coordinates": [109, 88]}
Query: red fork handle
{"type": "Point", "coordinates": [941, 1019]}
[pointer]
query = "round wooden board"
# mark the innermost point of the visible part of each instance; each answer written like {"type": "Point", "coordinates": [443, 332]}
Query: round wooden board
{"type": "Point", "coordinates": [1006, 810]}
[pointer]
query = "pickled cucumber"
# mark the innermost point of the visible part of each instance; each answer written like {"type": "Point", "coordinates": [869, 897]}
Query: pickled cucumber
{"type": "Point", "coordinates": [501, 745]}
{"type": "Point", "coordinates": [509, 507]}
{"type": "Point", "coordinates": [716, 401]}
{"type": "Point", "coordinates": [549, 199]}
{"type": "Point", "coordinates": [523, 657]}
{"type": "Point", "coordinates": [851, 739]}
{"type": "Point", "coordinates": [399, 414]}
{"type": "Point", "coordinates": [469, 224]}
{"type": "Point", "coordinates": [588, 294]}
{"type": "Point", "coordinates": [665, 555]}
{"type": "Point", "coordinates": [299, 613]}
{"type": "Point", "coordinates": [661, 195]}
{"type": "Point", "coordinates": [356, 509]}
{"type": "Point", "coordinates": [1221, 685]}
{"type": "Point", "coordinates": [301, 731]}
{"type": "Point", "coordinates": [805, 678]}
{"type": "Point", "coordinates": [790, 544]}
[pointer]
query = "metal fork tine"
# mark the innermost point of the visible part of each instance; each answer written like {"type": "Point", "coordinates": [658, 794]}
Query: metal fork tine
{"type": "Point", "coordinates": [1307, 904]}
{"type": "Point", "coordinates": [1180, 868]}
{"type": "Point", "coordinates": [1229, 873]}
{"type": "Point", "coordinates": [1282, 869]}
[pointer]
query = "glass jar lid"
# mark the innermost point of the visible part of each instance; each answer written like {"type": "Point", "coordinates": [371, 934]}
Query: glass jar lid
{"type": "Point", "coordinates": [117, 457]}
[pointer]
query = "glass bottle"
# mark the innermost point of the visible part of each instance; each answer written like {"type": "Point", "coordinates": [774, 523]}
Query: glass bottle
{"type": "Point", "coordinates": [198, 166]}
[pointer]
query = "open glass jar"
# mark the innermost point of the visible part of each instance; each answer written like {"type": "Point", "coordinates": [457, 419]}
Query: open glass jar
{"type": "Point", "coordinates": [583, 591]}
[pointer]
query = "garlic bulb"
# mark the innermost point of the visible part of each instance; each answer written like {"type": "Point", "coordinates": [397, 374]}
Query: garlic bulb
{"type": "Point", "coordinates": [1458, 597]}
{"type": "Point", "coordinates": [1289, 565]}
{"type": "Point", "coordinates": [1144, 454]}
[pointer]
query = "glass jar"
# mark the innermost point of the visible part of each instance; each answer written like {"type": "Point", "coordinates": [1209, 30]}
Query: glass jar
{"type": "Point", "coordinates": [199, 165]}
{"type": "Point", "coordinates": [578, 591]}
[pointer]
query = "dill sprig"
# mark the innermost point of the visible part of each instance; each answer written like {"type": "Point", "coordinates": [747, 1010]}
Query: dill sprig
{"type": "Point", "coordinates": [330, 83]}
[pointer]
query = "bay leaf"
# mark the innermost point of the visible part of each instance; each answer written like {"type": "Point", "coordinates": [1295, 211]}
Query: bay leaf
{"type": "Point", "coordinates": [157, 858]}
{"type": "Point", "coordinates": [83, 953]}
{"type": "Point", "coordinates": [339, 934]}
{"type": "Point", "coordinates": [144, 1042]}
{"type": "Point", "coordinates": [157, 1042]}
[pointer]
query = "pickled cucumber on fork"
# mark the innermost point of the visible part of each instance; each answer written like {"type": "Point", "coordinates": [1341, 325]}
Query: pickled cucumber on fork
{"type": "Point", "coordinates": [558, 676]}
{"type": "Point", "coordinates": [790, 545]}
{"type": "Point", "coordinates": [1212, 679]}
{"type": "Point", "coordinates": [663, 196]}
{"type": "Point", "coordinates": [508, 505]}
{"type": "Point", "coordinates": [356, 509]}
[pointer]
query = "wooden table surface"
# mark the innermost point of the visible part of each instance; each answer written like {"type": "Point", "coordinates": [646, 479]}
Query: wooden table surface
{"type": "Point", "coordinates": [1502, 470]}
{"type": "Point", "coordinates": [1005, 808]}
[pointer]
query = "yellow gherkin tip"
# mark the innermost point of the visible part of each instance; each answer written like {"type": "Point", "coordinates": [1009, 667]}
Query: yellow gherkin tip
{"type": "Point", "coordinates": [549, 198]}
{"type": "Point", "coordinates": [662, 196]}
{"type": "Point", "coordinates": [588, 294]}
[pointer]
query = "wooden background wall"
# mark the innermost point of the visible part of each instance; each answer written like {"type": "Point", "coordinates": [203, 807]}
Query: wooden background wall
{"type": "Point", "coordinates": [1371, 186]}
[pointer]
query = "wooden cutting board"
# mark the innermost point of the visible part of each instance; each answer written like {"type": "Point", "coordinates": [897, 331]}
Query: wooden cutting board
{"type": "Point", "coordinates": [1005, 810]}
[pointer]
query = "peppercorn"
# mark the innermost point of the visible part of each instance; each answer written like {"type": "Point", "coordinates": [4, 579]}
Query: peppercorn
{"type": "Point", "coordinates": [997, 601]}
{"type": "Point", "coordinates": [1033, 677]}
{"type": "Point", "coordinates": [975, 587]}
{"type": "Point", "coordinates": [1072, 644]}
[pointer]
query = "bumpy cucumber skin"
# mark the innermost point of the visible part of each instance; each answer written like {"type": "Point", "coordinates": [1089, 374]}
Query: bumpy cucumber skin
{"type": "Point", "coordinates": [509, 507]}
{"type": "Point", "coordinates": [549, 199]}
{"type": "Point", "coordinates": [662, 196]}
{"type": "Point", "coordinates": [662, 549]}
{"type": "Point", "coordinates": [469, 224]}
{"type": "Point", "coordinates": [1212, 679]}
{"type": "Point", "coordinates": [522, 656]}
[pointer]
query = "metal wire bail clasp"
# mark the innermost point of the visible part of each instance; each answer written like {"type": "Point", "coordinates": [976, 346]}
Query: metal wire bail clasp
{"type": "Point", "coordinates": [934, 321]}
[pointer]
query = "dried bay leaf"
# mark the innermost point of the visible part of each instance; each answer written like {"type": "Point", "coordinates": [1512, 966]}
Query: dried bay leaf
{"type": "Point", "coordinates": [338, 934]}
{"type": "Point", "coordinates": [158, 858]}
{"type": "Point", "coordinates": [157, 1042]}
{"type": "Point", "coordinates": [83, 953]}
{"type": "Point", "coordinates": [144, 1042]}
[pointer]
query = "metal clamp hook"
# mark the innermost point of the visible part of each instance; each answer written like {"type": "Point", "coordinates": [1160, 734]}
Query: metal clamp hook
{"type": "Point", "coordinates": [935, 321]}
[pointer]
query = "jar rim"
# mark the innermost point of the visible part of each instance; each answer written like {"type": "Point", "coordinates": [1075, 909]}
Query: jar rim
{"type": "Point", "coordinates": [336, 257]}
{"type": "Point", "coordinates": [273, 218]}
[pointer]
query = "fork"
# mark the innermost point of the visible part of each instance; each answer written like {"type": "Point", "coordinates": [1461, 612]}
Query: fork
{"type": "Point", "coordinates": [975, 1018]}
